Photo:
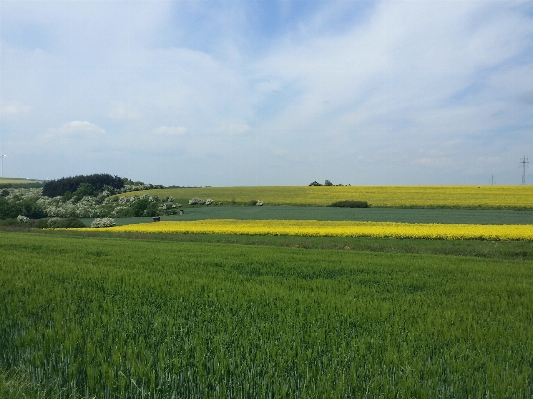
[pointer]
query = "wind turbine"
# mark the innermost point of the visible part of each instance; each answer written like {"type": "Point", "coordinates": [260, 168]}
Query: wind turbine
{"type": "Point", "coordinates": [2, 170]}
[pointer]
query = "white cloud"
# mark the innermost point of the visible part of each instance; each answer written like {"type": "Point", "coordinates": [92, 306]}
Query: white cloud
{"type": "Point", "coordinates": [13, 110]}
{"type": "Point", "coordinates": [170, 130]}
{"type": "Point", "coordinates": [236, 129]}
{"type": "Point", "coordinates": [78, 128]}
{"type": "Point", "coordinates": [124, 112]}
{"type": "Point", "coordinates": [397, 77]}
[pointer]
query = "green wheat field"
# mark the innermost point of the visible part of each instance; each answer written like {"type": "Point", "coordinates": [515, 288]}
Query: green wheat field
{"type": "Point", "coordinates": [119, 316]}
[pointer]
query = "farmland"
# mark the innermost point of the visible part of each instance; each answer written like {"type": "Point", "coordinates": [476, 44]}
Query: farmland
{"type": "Point", "coordinates": [276, 301]}
{"type": "Point", "coordinates": [291, 212]}
{"type": "Point", "coordinates": [486, 197]}
{"type": "Point", "coordinates": [16, 181]}
{"type": "Point", "coordinates": [115, 317]}
{"type": "Point", "coordinates": [336, 229]}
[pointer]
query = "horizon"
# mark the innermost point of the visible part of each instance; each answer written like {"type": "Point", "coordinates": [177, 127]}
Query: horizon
{"type": "Point", "coordinates": [28, 179]}
{"type": "Point", "coordinates": [241, 93]}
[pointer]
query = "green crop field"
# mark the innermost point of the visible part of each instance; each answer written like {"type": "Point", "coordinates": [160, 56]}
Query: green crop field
{"type": "Point", "coordinates": [288, 212]}
{"type": "Point", "coordinates": [127, 318]}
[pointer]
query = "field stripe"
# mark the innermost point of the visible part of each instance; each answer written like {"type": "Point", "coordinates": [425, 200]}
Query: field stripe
{"type": "Point", "coordinates": [336, 229]}
{"type": "Point", "coordinates": [487, 197]}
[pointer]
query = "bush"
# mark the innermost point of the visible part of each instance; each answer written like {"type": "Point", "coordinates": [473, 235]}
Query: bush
{"type": "Point", "coordinates": [103, 222]}
{"type": "Point", "coordinates": [144, 207]}
{"type": "Point", "coordinates": [9, 210]}
{"type": "Point", "coordinates": [70, 223]}
{"type": "Point", "coordinates": [9, 222]}
{"type": "Point", "coordinates": [350, 204]}
{"type": "Point", "coordinates": [23, 219]}
{"type": "Point", "coordinates": [31, 209]}
{"type": "Point", "coordinates": [196, 201]}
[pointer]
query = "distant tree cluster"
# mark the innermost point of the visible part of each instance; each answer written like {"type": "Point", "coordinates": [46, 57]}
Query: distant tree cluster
{"type": "Point", "coordinates": [23, 206]}
{"type": "Point", "coordinates": [89, 185]}
{"type": "Point", "coordinates": [326, 183]}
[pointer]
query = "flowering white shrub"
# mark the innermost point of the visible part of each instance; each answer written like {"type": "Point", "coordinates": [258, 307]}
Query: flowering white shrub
{"type": "Point", "coordinates": [209, 202]}
{"type": "Point", "coordinates": [139, 187]}
{"type": "Point", "coordinates": [103, 222]}
{"type": "Point", "coordinates": [91, 207]}
{"type": "Point", "coordinates": [22, 193]}
{"type": "Point", "coordinates": [196, 201]}
{"type": "Point", "coordinates": [259, 203]}
{"type": "Point", "coordinates": [168, 205]}
{"type": "Point", "coordinates": [23, 219]}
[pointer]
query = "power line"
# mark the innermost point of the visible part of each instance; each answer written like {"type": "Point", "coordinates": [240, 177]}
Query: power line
{"type": "Point", "coordinates": [524, 161]}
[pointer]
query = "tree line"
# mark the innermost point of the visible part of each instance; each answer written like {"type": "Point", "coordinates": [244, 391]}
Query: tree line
{"type": "Point", "coordinates": [95, 182]}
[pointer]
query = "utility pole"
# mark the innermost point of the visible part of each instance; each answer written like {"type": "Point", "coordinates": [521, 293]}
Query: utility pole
{"type": "Point", "coordinates": [524, 161]}
{"type": "Point", "coordinates": [2, 170]}
{"type": "Point", "coordinates": [492, 180]}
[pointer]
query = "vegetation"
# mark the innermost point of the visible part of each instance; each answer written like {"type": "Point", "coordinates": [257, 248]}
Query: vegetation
{"type": "Point", "coordinates": [350, 204]}
{"type": "Point", "coordinates": [337, 229]}
{"type": "Point", "coordinates": [46, 223]}
{"type": "Point", "coordinates": [129, 318]}
{"type": "Point", "coordinates": [86, 201]}
{"type": "Point", "coordinates": [14, 384]}
{"type": "Point", "coordinates": [288, 212]}
{"type": "Point", "coordinates": [103, 222]}
{"type": "Point", "coordinates": [26, 207]}
{"type": "Point", "coordinates": [6, 182]}
{"type": "Point", "coordinates": [326, 183]}
{"type": "Point", "coordinates": [144, 200]}
{"type": "Point", "coordinates": [509, 250]}
{"type": "Point", "coordinates": [121, 313]}
{"type": "Point", "coordinates": [16, 181]}
{"type": "Point", "coordinates": [82, 185]}
{"type": "Point", "coordinates": [459, 197]}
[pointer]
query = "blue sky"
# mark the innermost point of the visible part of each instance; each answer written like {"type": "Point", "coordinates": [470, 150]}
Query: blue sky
{"type": "Point", "coordinates": [227, 93]}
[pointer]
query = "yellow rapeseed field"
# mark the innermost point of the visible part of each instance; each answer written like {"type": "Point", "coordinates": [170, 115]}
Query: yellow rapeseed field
{"type": "Point", "coordinates": [495, 197]}
{"type": "Point", "coordinates": [7, 180]}
{"type": "Point", "coordinates": [336, 228]}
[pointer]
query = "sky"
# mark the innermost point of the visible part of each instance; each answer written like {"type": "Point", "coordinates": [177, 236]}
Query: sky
{"type": "Point", "coordinates": [268, 92]}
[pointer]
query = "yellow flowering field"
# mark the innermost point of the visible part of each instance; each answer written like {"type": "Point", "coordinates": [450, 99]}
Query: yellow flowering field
{"type": "Point", "coordinates": [495, 197]}
{"type": "Point", "coordinates": [7, 180]}
{"type": "Point", "coordinates": [335, 228]}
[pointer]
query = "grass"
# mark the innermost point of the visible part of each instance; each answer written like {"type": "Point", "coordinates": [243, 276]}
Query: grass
{"type": "Point", "coordinates": [97, 314]}
{"type": "Point", "coordinates": [16, 385]}
{"type": "Point", "coordinates": [117, 317]}
{"type": "Point", "coordinates": [509, 250]}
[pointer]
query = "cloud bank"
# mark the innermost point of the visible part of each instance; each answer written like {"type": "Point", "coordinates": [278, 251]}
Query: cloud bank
{"type": "Point", "coordinates": [268, 93]}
